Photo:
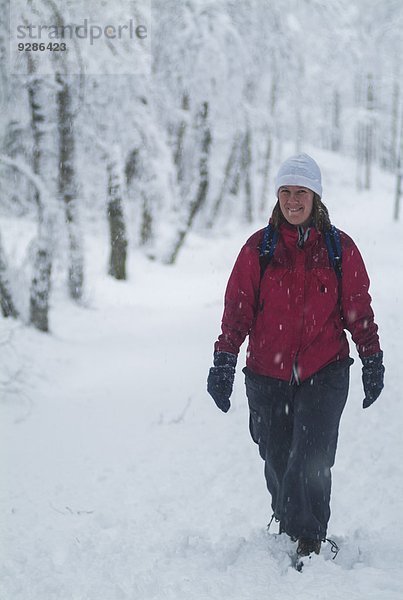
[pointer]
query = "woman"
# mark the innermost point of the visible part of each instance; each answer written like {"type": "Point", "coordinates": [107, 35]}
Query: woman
{"type": "Point", "coordinates": [295, 312]}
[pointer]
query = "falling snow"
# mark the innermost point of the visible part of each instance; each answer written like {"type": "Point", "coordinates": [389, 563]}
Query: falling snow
{"type": "Point", "coordinates": [122, 480]}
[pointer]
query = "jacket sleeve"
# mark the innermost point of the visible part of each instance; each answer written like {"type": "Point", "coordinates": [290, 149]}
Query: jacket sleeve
{"type": "Point", "coordinates": [356, 302]}
{"type": "Point", "coordinates": [240, 301]}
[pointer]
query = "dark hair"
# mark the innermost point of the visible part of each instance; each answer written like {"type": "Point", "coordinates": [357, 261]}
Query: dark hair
{"type": "Point", "coordinates": [319, 215]}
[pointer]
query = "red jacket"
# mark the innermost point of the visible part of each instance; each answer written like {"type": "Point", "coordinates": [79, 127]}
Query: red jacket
{"type": "Point", "coordinates": [297, 322]}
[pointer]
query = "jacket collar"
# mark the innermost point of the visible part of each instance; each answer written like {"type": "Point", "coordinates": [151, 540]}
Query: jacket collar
{"type": "Point", "coordinates": [291, 235]}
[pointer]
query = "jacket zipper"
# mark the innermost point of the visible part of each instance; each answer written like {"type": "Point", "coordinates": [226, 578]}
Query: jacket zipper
{"type": "Point", "coordinates": [294, 374]}
{"type": "Point", "coordinates": [295, 379]}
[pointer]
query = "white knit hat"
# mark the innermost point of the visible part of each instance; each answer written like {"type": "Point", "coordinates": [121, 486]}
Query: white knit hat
{"type": "Point", "coordinates": [302, 170]}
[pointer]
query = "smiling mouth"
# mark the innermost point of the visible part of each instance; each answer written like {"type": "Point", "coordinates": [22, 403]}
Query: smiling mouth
{"type": "Point", "coordinates": [295, 210]}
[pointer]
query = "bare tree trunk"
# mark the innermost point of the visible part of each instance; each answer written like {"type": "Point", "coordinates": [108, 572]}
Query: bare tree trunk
{"type": "Point", "coordinates": [369, 131]}
{"type": "Point", "coordinates": [274, 93]}
{"type": "Point", "coordinates": [368, 155]}
{"type": "Point", "coordinates": [360, 152]}
{"type": "Point", "coordinates": [68, 187]}
{"type": "Point", "coordinates": [398, 194]}
{"type": "Point", "coordinates": [7, 305]}
{"type": "Point", "coordinates": [42, 268]}
{"type": "Point", "coordinates": [201, 195]}
{"type": "Point", "coordinates": [230, 182]}
{"type": "Point", "coordinates": [399, 169]}
{"type": "Point", "coordinates": [117, 226]}
{"type": "Point", "coordinates": [266, 174]}
{"type": "Point", "coordinates": [359, 133]}
{"type": "Point", "coordinates": [146, 230]}
{"type": "Point", "coordinates": [237, 174]}
{"type": "Point", "coordinates": [336, 128]}
{"type": "Point", "coordinates": [134, 169]}
{"type": "Point", "coordinates": [178, 156]}
{"type": "Point", "coordinates": [40, 285]}
{"type": "Point", "coordinates": [246, 163]}
{"type": "Point", "coordinates": [299, 129]}
{"type": "Point", "coordinates": [131, 166]}
{"type": "Point", "coordinates": [42, 166]}
{"type": "Point", "coordinates": [394, 138]}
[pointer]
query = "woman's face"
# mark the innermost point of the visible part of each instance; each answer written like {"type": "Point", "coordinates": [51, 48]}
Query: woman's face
{"type": "Point", "coordinates": [296, 203]}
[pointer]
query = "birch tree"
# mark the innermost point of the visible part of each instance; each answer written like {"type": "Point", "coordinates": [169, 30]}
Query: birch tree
{"type": "Point", "coordinates": [116, 217]}
{"type": "Point", "coordinates": [199, 199]}
{"type": "Point", "coordinates": [40, 283]}
{"type": "Point", "coordinates": [67, 90]}
{"type": "Point", "coordinates": [399, 170]}
{"type": "Point", "coordinates": [7, 304]}
{"type": "Point", "coordinates": [41, 93]}
{"type": "Point", "coordinates": [68, 185]}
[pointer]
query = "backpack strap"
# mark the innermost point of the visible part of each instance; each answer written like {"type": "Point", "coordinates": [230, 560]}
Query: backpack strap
{"type": "Point", "coordinates": [333, 244]}
{"type": "Point", "coordinates": [267, 248]}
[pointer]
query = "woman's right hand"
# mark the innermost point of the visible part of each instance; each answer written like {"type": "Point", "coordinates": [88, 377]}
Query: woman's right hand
{"type": "Point", "coordinates": [220, 379]}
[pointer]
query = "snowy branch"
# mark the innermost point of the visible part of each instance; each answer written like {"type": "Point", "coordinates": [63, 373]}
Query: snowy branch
{"type": "Point", "coordinates": [25, 169]}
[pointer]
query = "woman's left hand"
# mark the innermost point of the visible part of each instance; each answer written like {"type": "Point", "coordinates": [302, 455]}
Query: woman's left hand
{"type": "Point", "coordinates": [372, 377]}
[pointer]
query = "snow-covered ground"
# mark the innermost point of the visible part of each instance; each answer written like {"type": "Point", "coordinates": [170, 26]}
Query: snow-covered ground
{"type": "Point", "coordinates": [121, 480]}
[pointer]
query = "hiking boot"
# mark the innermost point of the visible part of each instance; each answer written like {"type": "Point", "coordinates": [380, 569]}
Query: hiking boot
{"type": "Point", "coordinates": [281, 529]}
{"type": "Point", "coordinates": [306, 547]}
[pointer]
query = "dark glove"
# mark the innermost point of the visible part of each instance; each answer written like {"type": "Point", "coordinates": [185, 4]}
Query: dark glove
{"type": "Point", "coordinates": [220, 379]}
{"type": "Point", "coordinates": [372, 377]}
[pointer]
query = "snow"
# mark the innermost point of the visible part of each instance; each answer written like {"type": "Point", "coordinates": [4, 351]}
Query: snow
{"type": "Point", "coordinates": [121, 480]}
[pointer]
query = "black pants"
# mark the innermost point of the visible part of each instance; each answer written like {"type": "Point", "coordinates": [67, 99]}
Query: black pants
{"type": "Point", "coordinates": [296, 429]}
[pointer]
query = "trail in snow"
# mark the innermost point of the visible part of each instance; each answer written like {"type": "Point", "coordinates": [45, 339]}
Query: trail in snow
{"type": "Point", "coordinates": [121, 479]}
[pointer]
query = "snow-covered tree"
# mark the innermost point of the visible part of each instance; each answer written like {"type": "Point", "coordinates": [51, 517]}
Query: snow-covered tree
{"type": "Point", "coordinates": [186, 129]}
{"type": "Point", "coordinates": [7, 304]}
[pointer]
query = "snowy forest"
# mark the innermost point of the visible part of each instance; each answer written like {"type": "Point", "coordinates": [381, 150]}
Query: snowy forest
{"type": "Point", "coordinates": [190, 137]}
{"type": "Point", "coordinates": [139, 143]}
